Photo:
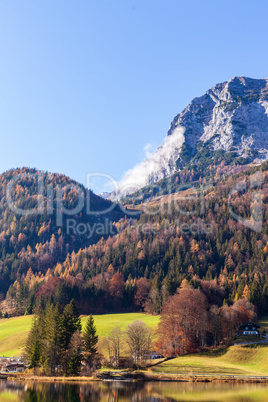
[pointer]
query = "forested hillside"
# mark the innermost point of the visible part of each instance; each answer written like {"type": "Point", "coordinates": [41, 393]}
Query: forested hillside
{"type": "Point", "coordinates": [34, 233]}
{"type": "Point", "coordinates": [195, 241]}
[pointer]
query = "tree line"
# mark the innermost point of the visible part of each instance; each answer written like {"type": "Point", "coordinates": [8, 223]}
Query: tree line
{"type": "Point", "coordinates": [56, 344]}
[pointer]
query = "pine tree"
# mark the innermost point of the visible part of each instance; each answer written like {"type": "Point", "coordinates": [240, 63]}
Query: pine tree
{"type": "Point", "coordinates": [91, 356]}
{"type": "Point", "coordinates": [71, 323]}
{"type": "Point", "coordinates": [74, 354]}
{"type": "Point", "coordinates": [90, 336]}
{"type": "Point", "coordinates": [52, 347]}
{"type": "Point", "coordinates": [255, 295]}
{"type": "Point", "coordinates": [265, 297]}
{"type": "Point", "coordinates": [33, 345]}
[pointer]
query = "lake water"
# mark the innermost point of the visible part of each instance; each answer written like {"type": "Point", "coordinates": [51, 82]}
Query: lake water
{"type": "Point", "coordinates": [135, 392]}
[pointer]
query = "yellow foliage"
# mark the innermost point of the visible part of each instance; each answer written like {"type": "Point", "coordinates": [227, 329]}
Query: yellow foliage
{"type": "Point", "coordinates": [246, 292]}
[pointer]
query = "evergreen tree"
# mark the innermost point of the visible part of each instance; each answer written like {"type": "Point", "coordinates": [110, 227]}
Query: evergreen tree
{"type": "Point", "coordinates": [33, 345]}
{"type": "Point", "coordinates": [255, 296]}
{"type": "Point", "coordinates": [265, 297]}
{"type": "Point", "coordinates": [55, 341]}
{"type": "Point", "coordinates": [74, 354]}
{"type": "Point", "coordinates": [52, 347]}
{"type": "Point", "coordinates": [71, 323]}
{"type": "Point", "coordinates": [90, 336]}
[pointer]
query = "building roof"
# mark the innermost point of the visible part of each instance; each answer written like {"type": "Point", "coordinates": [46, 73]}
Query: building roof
{"type": "Point", "coordinates": [250, 324]}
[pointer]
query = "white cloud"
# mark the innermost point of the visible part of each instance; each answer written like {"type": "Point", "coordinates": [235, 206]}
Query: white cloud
{"type": "Point", "coordinates": [148, 150]}
{"type": "Point", "coordinates": [156, 165]}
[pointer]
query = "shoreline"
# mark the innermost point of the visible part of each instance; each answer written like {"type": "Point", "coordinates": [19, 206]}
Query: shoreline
{"type": "Point", "coordinates": [138, 377]}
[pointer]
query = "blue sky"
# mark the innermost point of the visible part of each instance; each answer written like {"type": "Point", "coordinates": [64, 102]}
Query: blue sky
{"type": "Point", "coordinates": [91, 85]}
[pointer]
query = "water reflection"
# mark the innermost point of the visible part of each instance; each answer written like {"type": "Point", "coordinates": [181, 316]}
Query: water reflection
{"type": "Point", "coordinates": [135, 392]}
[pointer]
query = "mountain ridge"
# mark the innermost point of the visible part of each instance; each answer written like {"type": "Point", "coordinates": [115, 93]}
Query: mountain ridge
{"type": "Point", "coordinates": [231, 117]}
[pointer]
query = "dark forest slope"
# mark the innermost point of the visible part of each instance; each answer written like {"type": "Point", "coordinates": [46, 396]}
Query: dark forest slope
{"type": "Point", "coordinates": [39, 216]}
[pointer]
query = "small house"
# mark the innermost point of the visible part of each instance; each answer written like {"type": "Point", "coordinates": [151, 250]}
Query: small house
{"type": "Point", "coordinates": [15, 368]}
{"type": "Point", "coordinates": [155, 355]}
{"type": "Point", "coordinates": [249, 329]}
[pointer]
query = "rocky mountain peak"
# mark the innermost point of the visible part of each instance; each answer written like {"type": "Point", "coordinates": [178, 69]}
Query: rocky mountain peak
{"type": "Point", "coordinates": [231, 117]}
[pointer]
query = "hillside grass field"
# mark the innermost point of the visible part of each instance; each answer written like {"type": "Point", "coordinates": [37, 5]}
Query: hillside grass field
{"type": "Point", "coordinates": [14, 331]}
{"type": "Point", "coordinates": [235, 360]}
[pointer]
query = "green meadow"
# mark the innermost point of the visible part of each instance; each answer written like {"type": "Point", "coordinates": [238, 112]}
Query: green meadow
{"type": "Point", "coordinates": [105, 323]}
{"type": "Point", "coordinates": [14, 331]}
{"type": "Point", "coordinates": [235, 360]}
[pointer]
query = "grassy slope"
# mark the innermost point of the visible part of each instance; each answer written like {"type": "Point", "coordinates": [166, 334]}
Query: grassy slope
{"type": "Point", "coordinates": [105, 323]}
{"type": "Point", "coordinates": [240, 360]}
{"type": "Point", "coordinates": [13, 334]}
{"type": "Point", "coordinates": [13, 331]}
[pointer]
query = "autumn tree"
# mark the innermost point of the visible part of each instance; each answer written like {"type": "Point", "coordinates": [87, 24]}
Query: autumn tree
{"type": "Point", "coordinates": [153, 303]}
{"type": "Point", "coordinates": [143, 287]}
{"type": "Point", "coordinates": [138, 337]}
{"type": "Point", "coordinates": [117, 286]}
{"type": "Point", "coordinates": [184, 322]}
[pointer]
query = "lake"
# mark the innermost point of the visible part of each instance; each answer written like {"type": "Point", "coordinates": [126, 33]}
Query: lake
{"type": "Point", "coordinates": [130, 391]}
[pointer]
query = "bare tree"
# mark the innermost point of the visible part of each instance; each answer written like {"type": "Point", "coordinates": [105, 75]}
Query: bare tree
{"type": "Point", "coordinates": [138, 338]}
{"type": "Point", "coordinates": [113, 343]}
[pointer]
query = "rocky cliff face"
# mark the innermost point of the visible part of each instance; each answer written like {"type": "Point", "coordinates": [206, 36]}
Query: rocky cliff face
{"type": "Point", "coordinates": [232, 117]}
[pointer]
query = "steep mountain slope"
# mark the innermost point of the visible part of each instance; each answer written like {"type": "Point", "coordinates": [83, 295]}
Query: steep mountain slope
{"type": "Point", "coordinates": [231, 119]}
